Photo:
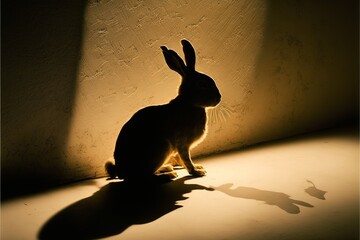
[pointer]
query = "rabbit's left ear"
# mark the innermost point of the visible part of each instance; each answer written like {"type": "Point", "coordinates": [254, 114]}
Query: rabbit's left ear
{"type": "Point", "coordinates": [174, 61]}
{"type": "Point", "coordinates": [189, 53]}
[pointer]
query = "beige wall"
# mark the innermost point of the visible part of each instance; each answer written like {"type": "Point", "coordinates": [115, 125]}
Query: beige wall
{"type": "Point", "coordinates": [283, 67]}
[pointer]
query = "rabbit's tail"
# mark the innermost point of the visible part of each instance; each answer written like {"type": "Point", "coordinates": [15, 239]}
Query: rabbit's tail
{"type": "Point", "coordinates": [110, 169]}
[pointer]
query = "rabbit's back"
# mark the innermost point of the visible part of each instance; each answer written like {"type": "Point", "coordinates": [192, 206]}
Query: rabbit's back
{"type": "Point", "coordinates": [173, 122]}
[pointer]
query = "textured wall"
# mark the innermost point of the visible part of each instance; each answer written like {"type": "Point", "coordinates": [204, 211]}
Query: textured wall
{"type": "Point", "coordinates": [283, 67]}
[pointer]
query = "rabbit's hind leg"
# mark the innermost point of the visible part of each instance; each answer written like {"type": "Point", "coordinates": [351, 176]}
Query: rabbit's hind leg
{"type": "Point", "coordinates": [165, 168]}
{"type": "Point", "coordinates": [149, 162]}
{"type": "Point", "coordinates": [175, 161]}
{"type": "Point", "coordinates": [166, 172]}
{"type": "Point", "coordinates": [166, 176]}
{"type": "Point", "coordinates": [161, 176]}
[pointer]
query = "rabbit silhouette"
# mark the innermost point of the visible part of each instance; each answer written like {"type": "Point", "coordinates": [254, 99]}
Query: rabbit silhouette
{"type": "Point", "coordinates": [155, 133]}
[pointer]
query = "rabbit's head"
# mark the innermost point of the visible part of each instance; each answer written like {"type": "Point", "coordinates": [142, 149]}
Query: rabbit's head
{"type": "Point", "coordinates": [196, 88]}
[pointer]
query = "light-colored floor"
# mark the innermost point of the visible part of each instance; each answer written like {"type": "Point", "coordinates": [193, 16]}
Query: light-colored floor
{"type": "Point", "coordinates": [301, 188]}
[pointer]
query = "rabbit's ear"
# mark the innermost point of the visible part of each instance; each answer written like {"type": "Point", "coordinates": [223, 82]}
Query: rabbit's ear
{"type": "Point", "coordinates": [189, 54]}
{"type": "Point", "coordinates": [174, 61]}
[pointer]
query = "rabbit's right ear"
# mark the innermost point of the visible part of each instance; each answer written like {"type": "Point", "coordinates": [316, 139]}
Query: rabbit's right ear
{"type": "Point", "coordinates": [174, 61]}
{"type": "Point", "coordinates": [189, 53]}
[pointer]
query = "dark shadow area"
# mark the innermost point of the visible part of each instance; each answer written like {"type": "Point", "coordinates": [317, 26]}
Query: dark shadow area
{"type": "Point", "coordinates": [315, 192]}
{"type": "Point", "coordinates": [281, 200]}
{"type": "Point", "coordinates": [307, 44]}
{"type": "Point", "coordinates": [115, 207]}
{"type": "Point", "coordinates": [40, 51]}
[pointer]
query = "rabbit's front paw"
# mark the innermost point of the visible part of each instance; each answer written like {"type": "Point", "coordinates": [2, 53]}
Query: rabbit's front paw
{"type": "Point", "coordinates": [198, 167]}
{"type": "Point", "coordinates": [198, 172]}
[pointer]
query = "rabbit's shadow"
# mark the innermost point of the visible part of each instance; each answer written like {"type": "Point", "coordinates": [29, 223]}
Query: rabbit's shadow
{"type": "Point", "coordinates": [279, 199]}
{"type": "Point", "coordinates": [115, 207]}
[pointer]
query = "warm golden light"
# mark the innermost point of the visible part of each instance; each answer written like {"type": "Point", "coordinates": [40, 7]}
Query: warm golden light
{"type": "Point", "coordinates": [74, 72]}
{"type": "Point", "coordinates": [267, 192]}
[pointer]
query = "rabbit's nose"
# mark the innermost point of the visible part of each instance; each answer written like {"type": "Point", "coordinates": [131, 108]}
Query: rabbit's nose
{"type": "Point", "coordinates": [219, 97]}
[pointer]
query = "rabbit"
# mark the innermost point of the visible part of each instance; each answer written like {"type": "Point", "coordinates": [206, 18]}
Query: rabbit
{"type": "Point", "coordinates": [155, 133]}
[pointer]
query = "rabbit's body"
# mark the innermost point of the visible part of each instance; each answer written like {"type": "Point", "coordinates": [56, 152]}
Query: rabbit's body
{"type": "Point", "coordinates": [155, 133]}
{"type": "Point", "coordinates": [149, 138]}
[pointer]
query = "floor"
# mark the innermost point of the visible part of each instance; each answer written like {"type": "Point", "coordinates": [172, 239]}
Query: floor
{"type": "Point", "coordinates": [305, 187]}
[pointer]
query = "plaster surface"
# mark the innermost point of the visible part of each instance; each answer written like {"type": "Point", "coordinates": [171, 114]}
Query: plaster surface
{"type": "Point", "coordinates": [73, 74]}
